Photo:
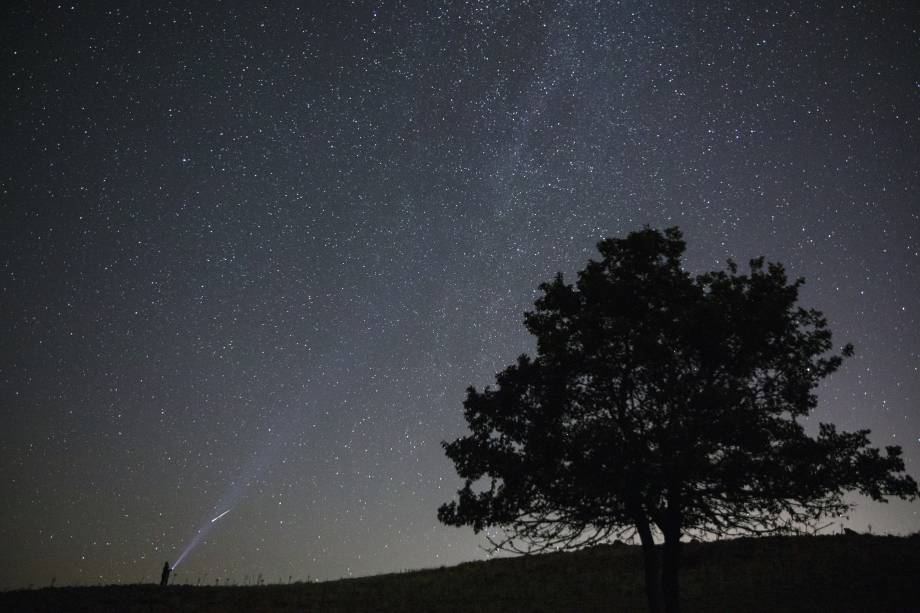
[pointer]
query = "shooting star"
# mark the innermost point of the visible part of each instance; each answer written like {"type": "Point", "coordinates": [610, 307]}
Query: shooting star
{"type": "Point", "coordinates": [219, 516]}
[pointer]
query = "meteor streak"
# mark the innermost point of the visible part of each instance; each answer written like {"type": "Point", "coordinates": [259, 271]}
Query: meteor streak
{"type": "Point", "coordinates": [235, 493]}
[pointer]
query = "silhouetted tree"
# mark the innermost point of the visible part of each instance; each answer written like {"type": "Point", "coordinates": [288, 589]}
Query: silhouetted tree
{"type": "Point", "coordinates": [661, 404]}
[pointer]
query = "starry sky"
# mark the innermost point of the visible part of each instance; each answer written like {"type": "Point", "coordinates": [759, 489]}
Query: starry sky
{"type": "Point", "coordinates": [251, 256]}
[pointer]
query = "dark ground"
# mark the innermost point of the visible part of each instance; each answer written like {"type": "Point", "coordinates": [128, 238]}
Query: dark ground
{"type": "Point", "coordinates": [828, 573]}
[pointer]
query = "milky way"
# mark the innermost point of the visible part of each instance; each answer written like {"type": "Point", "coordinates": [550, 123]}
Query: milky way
{"type": "Point", "coordinates": [288, 238]}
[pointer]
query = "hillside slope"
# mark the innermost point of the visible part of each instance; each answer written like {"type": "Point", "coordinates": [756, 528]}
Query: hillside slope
{"type": "Point", "coordinates": [826, 573]}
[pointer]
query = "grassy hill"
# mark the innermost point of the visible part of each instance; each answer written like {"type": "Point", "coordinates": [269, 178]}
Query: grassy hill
{"type": "Point", "coordinates": [827, 573]}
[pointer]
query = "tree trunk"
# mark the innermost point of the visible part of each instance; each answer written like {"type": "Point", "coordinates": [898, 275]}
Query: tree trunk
{"type": "Point", "coordinates": [669, 571]}
{"type": "Point", "coordinates": [652, 566]}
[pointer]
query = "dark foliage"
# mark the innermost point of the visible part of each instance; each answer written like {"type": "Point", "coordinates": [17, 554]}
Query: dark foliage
{"type": "Point", "coordinates": [662, 404]}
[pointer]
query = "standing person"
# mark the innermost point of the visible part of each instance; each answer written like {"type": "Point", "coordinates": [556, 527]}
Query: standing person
{"type": "Point", "coordinates": [164, 577]}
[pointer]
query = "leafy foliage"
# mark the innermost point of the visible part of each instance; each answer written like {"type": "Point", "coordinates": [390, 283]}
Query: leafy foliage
{"type": "Point", "coordinates": [662, 401]}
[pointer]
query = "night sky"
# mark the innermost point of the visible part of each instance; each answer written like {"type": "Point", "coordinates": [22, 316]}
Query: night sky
{"type": "Point", "coordinates": [251, 256]}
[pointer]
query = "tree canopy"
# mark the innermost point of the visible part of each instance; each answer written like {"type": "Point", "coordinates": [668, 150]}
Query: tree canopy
{"type": "Point", "coordinates": [664, 404]}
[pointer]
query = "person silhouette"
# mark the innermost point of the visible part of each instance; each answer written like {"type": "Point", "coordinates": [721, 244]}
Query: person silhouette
{"type": "Point", "coordinates": [164, 576]}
